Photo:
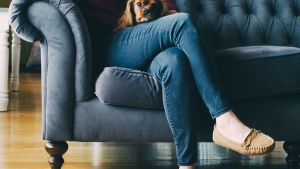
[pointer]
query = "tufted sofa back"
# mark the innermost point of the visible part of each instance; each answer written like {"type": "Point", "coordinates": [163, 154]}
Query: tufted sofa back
{"type": "Point", "coordinates": [236, 23]}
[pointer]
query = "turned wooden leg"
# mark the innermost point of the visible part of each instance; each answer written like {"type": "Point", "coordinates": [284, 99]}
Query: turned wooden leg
{"type": "Point", "coordinates": [56, 149]}
{"type": "Point", "coordinates": [293, 150]}
{"type": "Point", "coordinates": [15, 61]}
{"type": "Point", "coordinates": [4, 60]}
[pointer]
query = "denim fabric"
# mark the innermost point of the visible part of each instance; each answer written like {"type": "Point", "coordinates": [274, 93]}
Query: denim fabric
{"type": "Point", "coordinates": [191, 65]}
{"type": "Point", "coordinates": [180, 98]}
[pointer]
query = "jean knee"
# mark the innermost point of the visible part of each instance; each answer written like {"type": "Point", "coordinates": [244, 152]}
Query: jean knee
{"type": "Point", "coordinates": [183, 16]}
{"type": "Point", "coordinates": [171, 61]}
{"type": "Point", "coordinates": [184, 23]}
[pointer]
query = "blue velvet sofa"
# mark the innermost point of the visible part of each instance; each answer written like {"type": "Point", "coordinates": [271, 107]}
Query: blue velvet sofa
{"type": "Point", "coordinates": [256, 45]}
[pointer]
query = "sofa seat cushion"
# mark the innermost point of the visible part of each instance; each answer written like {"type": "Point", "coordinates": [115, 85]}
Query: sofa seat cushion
{"type": "Point", "coordinates": [255, 71]}
{"type": "Point", "coordinates": [127, 87]}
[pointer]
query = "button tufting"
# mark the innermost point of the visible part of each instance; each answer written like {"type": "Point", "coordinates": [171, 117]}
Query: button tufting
{"type": "Point", "coordinates": [199, 8]}
{"type": "Point", "coordinates": [289, 40]}
{"type": "Point", "coordinates": [272, 10]}
{"type": "Point", "coordinates": [247, 7]}
{"type": "Point", "coordinates": [296, 12]}
{"type": "Point", "coordinates": [223, 10]}
{"type": "Point", "coordinates": [247, 10]}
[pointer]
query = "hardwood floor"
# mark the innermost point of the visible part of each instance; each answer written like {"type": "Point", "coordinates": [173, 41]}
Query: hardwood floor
{"type": "Point", "coordinates": [21, 146]}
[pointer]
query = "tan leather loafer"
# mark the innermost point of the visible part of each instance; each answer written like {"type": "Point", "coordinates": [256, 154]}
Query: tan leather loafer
{"type": "Point", "coordinates": [256, 143]}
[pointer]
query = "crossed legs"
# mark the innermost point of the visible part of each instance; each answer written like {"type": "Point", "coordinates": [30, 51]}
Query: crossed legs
{"type": "Point", "coordinates": [181, 60]}
{"type": "Point", "coordinates": [172, 68]}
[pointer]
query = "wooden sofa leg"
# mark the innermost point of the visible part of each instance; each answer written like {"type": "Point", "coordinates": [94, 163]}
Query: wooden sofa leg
{"type": "Point", "coordinates": [56, 149]}
{"type": "Point", "coordinates": [293, 150]}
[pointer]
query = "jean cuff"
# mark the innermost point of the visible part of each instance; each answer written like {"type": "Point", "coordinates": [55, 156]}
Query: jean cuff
{"type": "Point", "coordinates": [187, 164]}
{"type": "Point", "coordinates": [220, 112]}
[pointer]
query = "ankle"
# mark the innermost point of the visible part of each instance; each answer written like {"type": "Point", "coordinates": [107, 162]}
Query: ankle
{"type": "Point", "coordinates": [188, 167]}
{"type": "Point", "coordinates": [229, 125]}
{"type": "Point", "coordinates": [225, 119]}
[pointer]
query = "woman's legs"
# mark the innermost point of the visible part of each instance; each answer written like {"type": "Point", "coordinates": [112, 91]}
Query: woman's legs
{"type": "Point", "coordinates": [181, 99]}
{"type": "Point", "coordinates": [136, 47]}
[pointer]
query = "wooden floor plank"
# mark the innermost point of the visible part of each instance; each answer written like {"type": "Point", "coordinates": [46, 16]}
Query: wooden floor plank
{"type": "Point", "coordinates": [22, 147]}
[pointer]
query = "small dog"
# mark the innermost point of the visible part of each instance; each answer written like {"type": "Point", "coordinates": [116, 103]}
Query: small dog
{"type": "Point", "coordinates": [140, 11]}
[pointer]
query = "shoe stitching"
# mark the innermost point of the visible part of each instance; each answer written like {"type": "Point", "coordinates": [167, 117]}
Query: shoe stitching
{"type": "Point", "coordinates": [248, 149]}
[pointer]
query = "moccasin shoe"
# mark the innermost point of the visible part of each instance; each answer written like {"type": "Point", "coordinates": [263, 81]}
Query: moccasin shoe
{"type": "Point", "coordinates": [256, 143]}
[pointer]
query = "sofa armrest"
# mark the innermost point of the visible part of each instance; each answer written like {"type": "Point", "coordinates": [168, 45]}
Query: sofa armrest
{"type": "Point", "coordinates": [66, 58]}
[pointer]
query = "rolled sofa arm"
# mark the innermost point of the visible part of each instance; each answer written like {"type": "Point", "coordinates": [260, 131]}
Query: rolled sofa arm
{"type": "Point", "coordinates": [66, 58]}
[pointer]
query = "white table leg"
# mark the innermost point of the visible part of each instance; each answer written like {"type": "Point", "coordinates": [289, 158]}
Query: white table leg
{"type": "Point", "coordinates": [15, 61]}
{"type": "Point", "coordinates": [3, 67]}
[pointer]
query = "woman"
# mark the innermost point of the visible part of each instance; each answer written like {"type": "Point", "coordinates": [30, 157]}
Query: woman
{"type": "Point", "coordinates": [172, 49]}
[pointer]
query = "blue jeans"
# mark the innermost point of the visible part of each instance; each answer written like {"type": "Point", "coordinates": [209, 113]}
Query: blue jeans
{"type": "Point", "coordinates": [174, 51]}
